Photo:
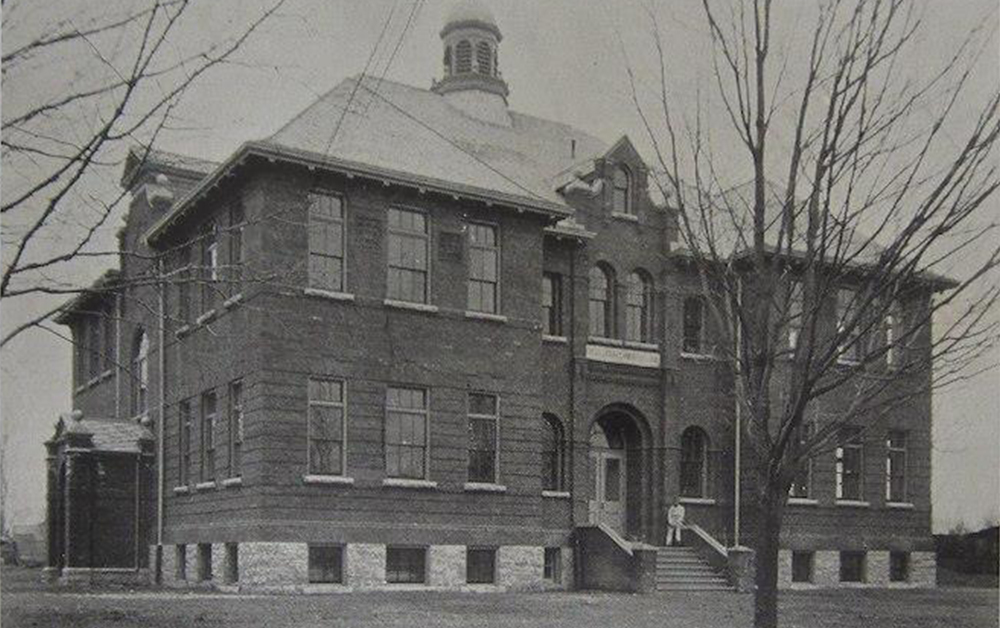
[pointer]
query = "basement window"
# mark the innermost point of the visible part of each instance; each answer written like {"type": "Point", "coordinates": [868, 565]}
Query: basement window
{"type": "Point", "coordinates": [552, 567]}
{"type": "Point", "coordinates": [480, 565]}
{"type": "Point", "coordinates": [204, 562]}
{"type": "Point", "coordinates": [852, 566]}
{"type": "Point", "coordinates": [405, 565]}
{"type": "Point", "coordinates": [326, 564]}
{"type": "Point", "coordinates": [180, 562]}
{"type": "Point", "coordinates": [899, 566]}
{"type": "Point", "coordinates": [232, 562]}
{"type": "Point", "coordinates": [802, 566]}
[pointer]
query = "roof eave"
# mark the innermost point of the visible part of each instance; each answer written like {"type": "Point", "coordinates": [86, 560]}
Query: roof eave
{"type": "Point", "coordinates": [309, 159]}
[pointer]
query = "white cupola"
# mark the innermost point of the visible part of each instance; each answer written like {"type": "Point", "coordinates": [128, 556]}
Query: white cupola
{"type": "Point", "coordinates": [471, 74]}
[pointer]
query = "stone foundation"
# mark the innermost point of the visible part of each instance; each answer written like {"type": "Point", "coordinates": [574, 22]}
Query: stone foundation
{"type": "Point", "coordinates": [446, 566]}
{"type": "Point", "coordinates": [365, 565]}
{"type": "Point", "coordinates": [520, 566]}
{"type": "Point", "coordinates": [923, 569]}
{"type": "Point", "coordinates": [826, 570]}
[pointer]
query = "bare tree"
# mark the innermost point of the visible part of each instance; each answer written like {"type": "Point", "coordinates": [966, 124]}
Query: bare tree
{"type": "Point", "coordinates": [823, 284]}
{"type": "Point", "coordinates": [119, 78]}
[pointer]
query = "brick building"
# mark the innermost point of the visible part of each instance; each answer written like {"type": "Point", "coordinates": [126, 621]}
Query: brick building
{"type": "Point", "coordinates": [415, 337]}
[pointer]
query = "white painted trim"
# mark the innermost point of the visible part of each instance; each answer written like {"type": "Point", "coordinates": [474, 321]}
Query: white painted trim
{"type": "Point", "coordinates": [624, 216]}
{"type": "Point", "coordinates": [183, 330]}
{"type": "Point", "coordinates": [233, 300]}
{"type": "Point", "coordinates": [327, 479]}
{"type": "Point", "coordinates": [229, 482]}
{"type": "Point", "coordinates": [204, 486]}
{"type": "Point", "coordinates": [900, 505]}
{"type": "Point", "coordinates": [410, 305]}
{"type": "Point", "coordinates": [623, 355]}
{"type": "Point", "coordinates": [559, 339]}
{"type": "Point", "coordinates": [704, 501]}
{"type": "Point", "coordinates": [204, 318]}
{"type": "Point", "coordinates": [802, 501]}
{"type": "Point", "coordinates": [702, 357]}
{"type": "Point", "coordinates": [557, 494]}
{"type": "Point", "coordinates": [853, 503]}
{"type": "Point", "coordinates": [181, 490]}
{"type": "Point", "coordinates": [484, 487]}
{"type": "Point", "coordinates": [642, 346]}
{"type": "Point", "coordinates": [485, 316]}
{"type": "Point", "coordinates": [328, 294]}
{"type": "Point", "coordinates": [408, 483]}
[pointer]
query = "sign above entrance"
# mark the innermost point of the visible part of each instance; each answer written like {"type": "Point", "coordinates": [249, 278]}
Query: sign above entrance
{"type": "Point", "coordinates": [622, 355]}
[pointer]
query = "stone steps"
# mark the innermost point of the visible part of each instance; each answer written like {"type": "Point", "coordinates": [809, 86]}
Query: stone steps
{"type": "Point", "coordinates": [682, 569]}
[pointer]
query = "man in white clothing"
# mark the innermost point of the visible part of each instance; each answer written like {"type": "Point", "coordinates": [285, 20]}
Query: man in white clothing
{"type": "Point", "coordinates": [675, 521]}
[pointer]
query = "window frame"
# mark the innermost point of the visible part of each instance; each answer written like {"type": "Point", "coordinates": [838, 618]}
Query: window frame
{"type": "Point", "coordinates": [185, 424]}
{"type": "Point", "coordinates": [140, 373]}
{"type": "Point", "coordinates": [495, 418]}
{"type": "Point", "coordinates": [623, 191]}
{"type": "Point", "coordinates": [209, 267]}
{"type": "Point", "coordinates": [552, 564]}
{"type": "Point", "coordinates": [312, 216]}
{"type": "Point", "coordinates": [554, 478]}
{"type": "Point", "coordinates": [184, 278]}
{"type": "Point", "coordinates": [425, 413]}
{"type": "Point", "coordinates": [484, 49]}
{"type": "Point", "coordinates": [899, 566]}
{"type": "Point", "coordinates": [687, 463]}
{"type": "Point", "coordinates": [809, 556]}
{"type": "Point", "coordinates": [607, 307]}
{"type": "Point", "coordinates": [849, 348]}
{"type": "Point", "coordinates": [342, 406]}
{"type": "Point", "coordinates": [686, 348]}
{"type": "Point", "coordinates": [641, 284]}
{"type": "Point", "coordinates": [805, 431]}
{"type": "Point", "coordinates": [208, 445]}
{"type": "Point", "coordinates": [552, 310]}
{"type": "Point", "coordinates": [851, 438]}
{"type": "Point", "coordinates": [890, 472]}
{"type": "Point", "coordinates": [846, 567]}
{"type": "Point", "coordinates": [795, 314]}
{"type": "Point", "coordinates": [428, 262]}
{"type": "Point", "coordinates": [235, 424]}
{"type": "Point", "coordinates": [496, 250]}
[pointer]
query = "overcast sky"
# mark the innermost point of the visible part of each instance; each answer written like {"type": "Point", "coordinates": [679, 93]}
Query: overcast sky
{"type": "Point", "coordinates": [563, 60]}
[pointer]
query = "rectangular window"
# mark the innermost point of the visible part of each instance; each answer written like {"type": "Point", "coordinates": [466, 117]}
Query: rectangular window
{"type": "Point", "coordinates": [236, 429]}
{"type": "Point", "coordinates": [326, 242]}
{"type": "Point", "coordinates": [483, 420]}
{"type": "Point", "coordinates": [208, 411]}
{"type": "Point", "coordinates": [893, 335]}
{"type": "Point", "coordinates": [184, 442]}
{"type": "Point", "coordinates": [552, 304]}
{"type": "Point", "coordinates": [852, 567]}
{"type": "Point", "coordinates": [94, 353]}
{"type": "Point", "coordinates": [693, 325]}
{"type": "Point", "coordinates": [850, 465]}
{"type": "Point", "coordinates": [236, 225]}
{"type": "Point", "coordinates": [110, 340]}
{"type": "Point", "coordinates": [209, 268]}
{"type": "Point", "coordinates": [795, 318]}
{"type": "Point", "coordinates": [405, 564]}
{"type": "Point", "coordinates": [406, 433]}
{"type": "Point", "coordinates": [232, 562]}
{"type": "Point", "coordinates": [484, 268]}
{"type": "Point", "coordinates": [895, 466]}
{"type": "Point", "coordinates": [899, 566]}
{"type": "Point", "coordinates": [408, 256]}
{"type": "Point", "coordinates": [802, 484]}
{"type": "Point", "coordinates": [802, 566]}
{"type": "Point", "coordinates": [480, 565]}
{"type": "Point", "coordinates": [552, 565]}
{"type": "Point", "coordinates": [326, 564]}
{"type": "Point", "coordinates": [180, 562]}
{"type": "Point", "coordinates": [327, 427]}
{"type": "Point", "coordinates": [204, 562]}
{"type": "Point", "coordinates": [184, 278]}
{"type": "Point", "coordinates": [848, 327]}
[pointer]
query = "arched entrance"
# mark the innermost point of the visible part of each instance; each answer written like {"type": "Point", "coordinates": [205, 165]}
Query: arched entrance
{"type": "Point", "coordinates": [618, 483]}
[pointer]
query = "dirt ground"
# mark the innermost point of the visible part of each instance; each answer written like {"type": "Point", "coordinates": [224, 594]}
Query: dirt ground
{"type": "Point", "coordinates": [26, 603]}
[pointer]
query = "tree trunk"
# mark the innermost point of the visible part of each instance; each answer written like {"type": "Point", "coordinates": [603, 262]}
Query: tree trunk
{"type": "Point", "coordinates": [769, 509]}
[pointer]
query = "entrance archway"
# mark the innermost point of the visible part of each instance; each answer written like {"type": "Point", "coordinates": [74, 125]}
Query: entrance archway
{"type": "Point", "coordinates": [618, 465]}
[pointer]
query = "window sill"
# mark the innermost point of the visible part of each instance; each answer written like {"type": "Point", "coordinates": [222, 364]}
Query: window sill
{"type": "Point", "coordinates": [558, 339]}
{"type": "Point", "coordinates": [231, 482]}
{"type": "Point", "coordinates": [204, 486]}
{"type": "Point", "coordinates": [698, 357]}
{"type": "Point", "coordinates": [328, 479]}
{"type": "Point", "coordinates": [601, 340]}
{"type": "Point", "coordinates": [556, 494]}
{"type": "Point", "coordinates": [204, 318]}
{"type": "Point", "coordinates": [622, 216]}
{"type": "Point", "coordinates": [802, 501]}
{"type": "Point", "coordinates": [485, 316]}
{"type": "Point", "coordinates": [852, 503]}
{"type": "Point", "coordinates": [232, 301]}
{"type": "Point", "coordinates": [182, 331]}
{"type": "Point", "coordinates": [848, 362]}
{"type": "Point", "coordinates": [484, 487]}
{"type": "Point", "coordinates": [642, 346]}
{"type": "Point", "coordinates": [333, 295]}
{"type": "Point", "coordinates": [410, 305]}
{"type": "Point", "coordinates": [703, 501]}
{"type": "Point", "coordinates": [408, 483]}
{"type": "Point", "coordinates": [900, 505]}
{"type": "Point", "coordinates": [181, 490]}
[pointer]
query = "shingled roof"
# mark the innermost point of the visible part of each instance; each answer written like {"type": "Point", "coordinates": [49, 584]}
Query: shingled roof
{"type": "Point", "coordinates": [105, 434]}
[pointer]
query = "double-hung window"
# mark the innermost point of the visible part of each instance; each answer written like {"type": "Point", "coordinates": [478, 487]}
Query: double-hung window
{"type": "Point", "coordinates": [601, 302]}
{"type": "Point", "coordinates": [184, 444]}
{"type": "Point", "coordinates": [327, 427]}
{"type": "Point", "coordinates": [408, 256]}
{"type": "Point", "coordinates": [326, 242]}
{"type": "Point", "coordinates": [850, 465]}
{"type": "Point", "coordinates": [638, 308]}
{"type": "Point", "coordinates": [208, 415]}
{"type": "Point", "coordinates": [406, 433]}
{"type": "Point", "coordinates": [483, 434]}
{"type": "Point", "coordinates": [802, 483]}
{"type": "Point", "coordinates": [895, 466]}
{"type": "Point", "coordinates": [209, 268]}
{"type": "Point", "coordinates": [694, 319]}
{"type": "Point", "coordinates": [552, 304]}
{"type": "Point", "coordinates": [794, 315]}
{"type": "Point", "coordinates": [236, 225]}
{"type": "Point", "coordinates": [484, 269]}
{"type": "Point", "coordinates": [848, 327]}
{"type": "Point", "coordinates": [235, 429]}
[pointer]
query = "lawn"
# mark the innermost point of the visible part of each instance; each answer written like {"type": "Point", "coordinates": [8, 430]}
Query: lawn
{"type": "Point", "coordinates": [26, 604]}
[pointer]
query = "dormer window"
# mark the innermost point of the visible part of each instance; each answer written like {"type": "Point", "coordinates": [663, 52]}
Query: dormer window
{"type": "Point", "coordinates": [463, 57]}
{"type": "Point", "coordinates": [484, 58]}
{"type": "Point", "coordinates": [621, 197]}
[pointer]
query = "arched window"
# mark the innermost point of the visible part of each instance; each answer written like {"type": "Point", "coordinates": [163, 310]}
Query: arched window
{"type": "Point", "coordinates": [140, 372]}
{"type": "Point", "coordinates": [601, 302]}
{"type": "Point", "coordinates": [463, 57]}
{"type": "Point", "coordinates": [694, 463]}
{"type": "Point", "coordinates": [621, 191]}
{"type": "Point", "coordinates": [484, 58]}
{"type": "Point", "coordinates": [639, 307]}
{"type": "Point", "coordinates": [447, 61]}
{"type": "Point", "coordinates": [552, 454]}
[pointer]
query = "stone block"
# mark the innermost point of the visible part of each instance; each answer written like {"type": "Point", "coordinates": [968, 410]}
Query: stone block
{"type": "Point", "coordinates": [520, 566]}
{"type": "Point", "coordinates": [784, 569]}
{"type": "Point", "coordinates": [877, 568]}
{"type": "Point", "coordinates": [923, 569]}
{"type": "Point", "coordinates": [365, 565]}
{"type": "Point", "coordinates": [273, 564]}
{"type": "Point", "coordinates": [826, 568]}
{"type": "Point", "coordinates": [218, 563]}
{"type": "Point", "coordinates": [446, 566]}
